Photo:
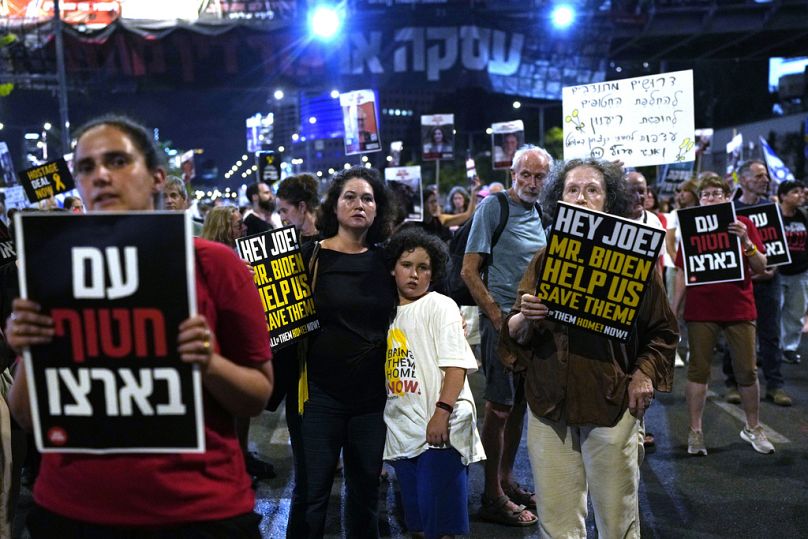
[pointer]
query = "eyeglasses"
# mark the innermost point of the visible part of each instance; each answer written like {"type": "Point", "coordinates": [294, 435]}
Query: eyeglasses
{"type": "Point", "coordinates": [712, 194]}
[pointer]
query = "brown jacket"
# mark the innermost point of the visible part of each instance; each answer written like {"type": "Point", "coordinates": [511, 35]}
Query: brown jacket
{"type": "Point", "coordinates": [581, 377]}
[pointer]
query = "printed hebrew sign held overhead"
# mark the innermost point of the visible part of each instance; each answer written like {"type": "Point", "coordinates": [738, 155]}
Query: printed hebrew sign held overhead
{"type": "Point", "coordinates": [641, 121]}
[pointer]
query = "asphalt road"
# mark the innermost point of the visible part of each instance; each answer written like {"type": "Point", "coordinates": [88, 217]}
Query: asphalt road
{"type": "Point", "coordinates": [733, 492]}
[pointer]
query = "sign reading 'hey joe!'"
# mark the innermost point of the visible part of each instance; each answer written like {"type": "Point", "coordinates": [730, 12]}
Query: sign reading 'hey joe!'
{"type": "Point", "coordinates": [283, 284]}
{"type": "Point", "coordinates": [596, 269]}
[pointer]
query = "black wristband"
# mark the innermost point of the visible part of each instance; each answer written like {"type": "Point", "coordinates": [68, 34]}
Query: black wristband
{"type": "Point", "coordinates": [444, 406]}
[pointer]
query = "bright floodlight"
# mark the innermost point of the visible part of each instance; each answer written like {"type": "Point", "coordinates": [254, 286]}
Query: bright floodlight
{"type": "Point", "coordinates": [563, 16]}
{"type": "Point", "coordinates": [278, 94]}
{"type": "Point", "coordinates": [334, 94]}
{"type": "Point", "coordinates": [517, 104]}
{"type": "Point", "coordinates": [324, 22]}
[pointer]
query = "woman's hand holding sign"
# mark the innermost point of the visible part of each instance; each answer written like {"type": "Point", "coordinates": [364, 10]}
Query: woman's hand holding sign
{"type": "Point", "coordinates": [531, 309]}
{"type": "Point", "coordinates": [27, 325]}
{"type": "Point", "coordinates": [196, 342]}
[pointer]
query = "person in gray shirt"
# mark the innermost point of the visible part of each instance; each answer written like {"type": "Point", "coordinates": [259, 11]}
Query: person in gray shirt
{"type": "Point", "coordinates": [504, 501]}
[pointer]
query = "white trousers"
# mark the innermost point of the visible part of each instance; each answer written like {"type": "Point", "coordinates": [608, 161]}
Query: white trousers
{"type": "Point", "coordinates": [568, 460]}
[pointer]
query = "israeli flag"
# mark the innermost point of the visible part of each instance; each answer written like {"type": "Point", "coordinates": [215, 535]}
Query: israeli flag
{"type": "Point", "coordinates": [777, 169]}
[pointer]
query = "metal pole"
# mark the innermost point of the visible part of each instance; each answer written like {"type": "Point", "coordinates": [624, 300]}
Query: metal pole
{"type": "Point", "coordinates": [541, 126]}
{"type": "Point", "coordinates": [64, 122]}
{"type": "Point", "coordinates": [437, 178]}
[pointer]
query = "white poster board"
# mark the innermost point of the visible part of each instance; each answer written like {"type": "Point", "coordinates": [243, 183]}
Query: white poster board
{"type": "Point", "coordinates": [641, 121]}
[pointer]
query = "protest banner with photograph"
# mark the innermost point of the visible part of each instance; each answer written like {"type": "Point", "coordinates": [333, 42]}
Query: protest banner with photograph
{"type": "Point", "coordinates": [506, 138]}
{"type": "Point", "coordinates": [49, 179]}
{"type": "Point", "coordinates": [596, 270]}
{"type": "Point", "coordinates": [283, 284]}
{"type": "Point", "coordinates": [641, 121]}
{"type": "Point", "coordinates": [709, 252]}
{"type": "Point", "coordinates": [361, 122]}
{"type": "Point", "coordinates": [769, 222]}
{"type": "Point", "coordinates": [437, 134]}
{"type": "Point", "coordinates": [269, 166]}
{"type": "Point", "coordinates": [112, 380]}
{"type": "Point", "coordinates": [188, 166]}
{"type": "Point", "coordinates": [7, 177]}
{"type": "Point", "coordinates": [405, 182]}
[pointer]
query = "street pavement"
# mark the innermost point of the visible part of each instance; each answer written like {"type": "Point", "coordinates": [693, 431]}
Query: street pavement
{"type": "Point", "coordinates": [733, 492]}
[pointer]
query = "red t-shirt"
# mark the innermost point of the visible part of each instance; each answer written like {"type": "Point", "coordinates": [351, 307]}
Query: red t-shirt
{"type": "Point", "coordinates": [157, 489]}
{"type": "Point", "coordinates": [723, 302]}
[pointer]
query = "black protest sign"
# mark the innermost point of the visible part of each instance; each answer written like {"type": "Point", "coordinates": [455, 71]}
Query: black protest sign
{"type": "Point", "coordinates": [283, 284]}
{"type": "Point", "coordinates": [44, 181]}
{"type": "Point", "coordinates": [596, 269]}
{"type": "Point", "coordinates": [710, 253]}
{"type": "Point", "coordinates": [769, 223]}
{"type": "Point", "coordinates": [269, 168]}
{"type": "Point", "coordinates": [111, 381]}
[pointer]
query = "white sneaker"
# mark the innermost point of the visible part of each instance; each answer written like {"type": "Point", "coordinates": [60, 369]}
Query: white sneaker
{"type": "Point", "coordinates": [677, 362]}
{"type": "Point", "coordinates": [695, 443]}
{"type": "Point", "coordinates": [758, 439]}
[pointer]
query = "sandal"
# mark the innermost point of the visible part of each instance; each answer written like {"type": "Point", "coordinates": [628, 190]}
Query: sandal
{"type": "Point", "coordinates": [497, 511]}
{"type": "Point", "coordinates": [520, 496]}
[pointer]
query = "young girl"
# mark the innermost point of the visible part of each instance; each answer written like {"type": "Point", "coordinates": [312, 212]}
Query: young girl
{"type": "Point", "coordinates": [430, 414]}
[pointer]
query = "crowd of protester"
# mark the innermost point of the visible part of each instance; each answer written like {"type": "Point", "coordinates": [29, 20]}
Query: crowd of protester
{"type": "Point", "coordinates": [377, 284]}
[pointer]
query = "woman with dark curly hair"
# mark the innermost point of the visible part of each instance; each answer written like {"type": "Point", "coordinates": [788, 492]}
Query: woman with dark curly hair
{"type": "Point", "coordinates": [587, 394]}
{"type": "Point", "coordinates": [341, 396]}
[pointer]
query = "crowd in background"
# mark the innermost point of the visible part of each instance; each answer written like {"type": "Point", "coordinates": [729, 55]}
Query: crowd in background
{"type": "Point", "coordinates": [339, 401]}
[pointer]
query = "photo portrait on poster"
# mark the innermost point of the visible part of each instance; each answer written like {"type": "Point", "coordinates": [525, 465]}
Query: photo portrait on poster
{"type": "Point", "coordinates": [405, 182]}
{"type": "Point", "coordinates": [769, 222]}
{"type": "Point", "coordinates": [7, 176]}
{"type": "Point", "coordinates": [506, 138]}
{"type": "Point", "coordinates": [112, 380]}
{"type": "Point", "coordinates": [710, 253]}
{"type": "Point", "coordinates": [283, 284]}
{"type": "Point", "coordinates": [596, 270]}
{"type": "Point", "coordinates": [437, 134]}
{"type": "Point", "coordinates": [46, 180]}
{"type": "Point", "coordinates": [360, 121]}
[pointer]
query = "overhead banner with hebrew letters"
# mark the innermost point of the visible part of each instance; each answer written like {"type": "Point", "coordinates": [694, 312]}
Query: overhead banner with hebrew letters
{"type": "Point", "coordinates": [641, 121]}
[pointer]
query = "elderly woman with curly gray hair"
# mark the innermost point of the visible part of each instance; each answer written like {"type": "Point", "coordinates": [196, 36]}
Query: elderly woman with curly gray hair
{"type": "Point", "coordinates": [587, 394]}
